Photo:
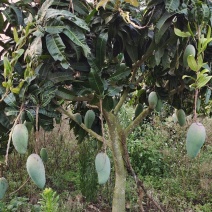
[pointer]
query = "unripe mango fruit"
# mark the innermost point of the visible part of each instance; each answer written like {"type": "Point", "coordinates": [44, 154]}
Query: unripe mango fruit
{"type": "Point", "coordinates": [138, 109]}
{"type": "Point", "coordinates": [189, 50]}
{"type": "Point", "coordinates": [195, 139]}
{"type": "Point", "coordinates": [3, 187]}
{"type": "Point", "coordinates": [44, 155]}
{"type": "Point", "coordinates": [153, 100]}
{"type": "Point", "coordinates": [20, 138]}
{"type": "Point", "coordinates": [102, 164]}
{"type": "Point", "coordinates": [36, 170]}
{"type": "Point", "coordinates": [181, 117]}
{"type": "Point", "coordinates": [89, 118]}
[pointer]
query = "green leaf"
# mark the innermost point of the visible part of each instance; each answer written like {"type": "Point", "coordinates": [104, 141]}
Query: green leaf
{"type": "Point", "coordinates": [59, 76]}
{"type": "Point", "coordinates": [114, 90]}
{"type": "Point", "coordinates": [163, 19]}
{"type": "Point", "coordinates": [182, 34]}
{"type": "Point", "coordinates": [101, 49]}
{"type": "Point", "coordinates": [80, 7]}
{"type": "Point", "coordinates": [159, 33]}
{"type": "Point", "coordinates": [47, 96]}
{"type": "Point", "coordinates": [207, 95]}
{"type": "Point", "coordinates": [15, 35]}
{"type": "Point", "coordinates": [77, 37]}
{"type": "Point", "coordinates": [56, 49]}
{"type": "Point", "coordinates": [54, 26]}
{"type": "Point", "coordinates": [1, 23]}
{"type": "Point", "coordinates": [4, 120]}
{"type": "Point", "coordinates": [35, 48]}
{"type": "Point", "coordinates": [7, 67]}
{"type": "Point", "coordinates": [10, 100]}
{"type": "Point", "coordinates": [19, 15]}
{"type": "Point", "coordinates": [96, 82]}
{"type": "Point", "coordinates": [42, 11]}
{"type": "Point", "coordinates": [108, 103]}
{"type": "Point", "coordinates": [172, 5]}
{"type": "Point", "coordinates": [65, 94]}
{"type": "Point", "coordinates": [203, 80]}
{"type": "Point", "coordinates": [122, 71]}
{"type": "Point", "coordinates": [64, 14]}
{"type": "Point", "coordinates": [102, 3]}
{"type": "Point", "coordinates": [192, 63]}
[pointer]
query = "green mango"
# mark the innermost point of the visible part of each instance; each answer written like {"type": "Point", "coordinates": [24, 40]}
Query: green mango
{"type": "Point", "coordinates": [89, 118]}
{"type": "Point", "coordinates": [44, 155]}
{"type": "Point", "coordinates": [189, 50]}
{"type": "Point", "coordinates": [181, 117]}
{"type": "Point", "coordinates": [102, 164]}
{"type": "Point", "coordinates": [36, 170]}
{"type": "Point", "coordinates": [195, 139]}
{"type": "Point", "coordinates": [138, 109]}
{"type": "Point", "coordinates": [3, 187]}
{"type": "Point", "coordinates": [20, 137]}
{"type": "Point", "coordinates": [153, 100]}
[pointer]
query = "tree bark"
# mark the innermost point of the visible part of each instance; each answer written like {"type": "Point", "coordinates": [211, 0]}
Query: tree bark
{"type": "Point", "coordinates": [116, 135]}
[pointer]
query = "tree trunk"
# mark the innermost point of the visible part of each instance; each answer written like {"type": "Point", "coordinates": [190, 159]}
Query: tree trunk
{"type": "Point", "coordinates": [116, 136]}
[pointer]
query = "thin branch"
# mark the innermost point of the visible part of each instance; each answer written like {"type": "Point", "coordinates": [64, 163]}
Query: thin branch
{"type": "Point", "coordinates": [37, 130]}
{"type": "Point", "coordinates": [195, 104]}
{"type": "Point", "coordinates": [71, 6]}
{"type": "Point", "coordinates": [11, 132]}
{"type": "Point", "coordinates": [91, 132]}
{"type": "Point", "coordinates": [20, 186]}
{"type": "Point", "coordinates": [137, 121]}
{"type": "Point", "coordinates": [121, 101]}
{"type": "Point", "coordinates": [102, 125]}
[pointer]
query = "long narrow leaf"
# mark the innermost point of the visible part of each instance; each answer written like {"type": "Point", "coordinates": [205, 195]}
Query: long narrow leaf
{"type": "Point", "coordinates": [78, 38]}
{"type": "Point", "coordinates": [56, 49]}
{"type": "Point", "coordinates": [101, 49]}
{"type": "Point", "coordinates": [96, 82]}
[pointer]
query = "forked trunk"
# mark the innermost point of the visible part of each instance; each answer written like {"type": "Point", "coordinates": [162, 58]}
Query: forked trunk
{"type": "Point", "coordinates": [116, 134]}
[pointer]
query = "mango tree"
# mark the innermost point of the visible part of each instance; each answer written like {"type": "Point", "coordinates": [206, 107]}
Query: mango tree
{"type": "Point", "coordinates": [84, 60]}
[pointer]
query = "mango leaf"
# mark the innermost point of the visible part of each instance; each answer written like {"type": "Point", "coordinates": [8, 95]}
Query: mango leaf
{"type": "Point", "coordinates": [122, 71]}
{"type": "Point", "coordinates": [101, 49]}
{"type": "Point", "coordinates": [15, 35]}
{"type": "Point", "coordinates": [135, 3]}
{"type": "Point", "coordinates": [64, 14]}
{"type": "Point", "coordinates": [172, 5]}
{"type": "Point", "coordinates": [47, 96]}
{"type": "Point", "coordinates": [51, 114]}
{"type": "Point", "coordinates": [182, 34]}
{"type": "Point", "coordinates": [42, 11]}
{"type": "Point", "coordinates": [78, 38]}
{"type": "Point", "coordinates": [102, 3]}
{"type": "Point", "coordinates": [80, 7]}
{"type": "Point", "coordinates": [35, 48]}
{"type": "Point", "coordinates": [4, 120]}
{"type": "Point", "coordinates": [159, 33]}
{"type": "Point", "coordinates": [192, 63]}
{"type": "Point", "coordinates": [96, 82]}
{"type": "Point", "coordinates": [163, 19]}
{"type": "Point", "coordinates": [54, 26]}
{"type": "Point", "coordinates": [56, 49]}
{"type": "Point", "coordinates": [1, 23]}
{"type": "Point", "coordinates": [113, 90]}
{"type": "Point", "coordinates": [16, 54]}
{"type": "Point", "coordinates": [57, 77]}
{"type": "Point", "coordinates": [10, 100]}
{"type": "Point", "coordinates": [202, 80]}
{"type": "Point", "coordinates": [7, 67]}
{"type": "Point", "coordinates": [19, 15]}
{"type": "Point", "coordinates": [65, 94]}
{"type": "Point", "coordinates": [207, 95]}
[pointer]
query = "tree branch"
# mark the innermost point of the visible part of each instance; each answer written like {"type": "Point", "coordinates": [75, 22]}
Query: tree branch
{"type": "Point", "coordinates": [121, 101]}
{"type": "Point", "coordinates": [91, 132]}
{"type": "Point", "coordinates": [137, 121]}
